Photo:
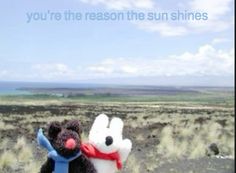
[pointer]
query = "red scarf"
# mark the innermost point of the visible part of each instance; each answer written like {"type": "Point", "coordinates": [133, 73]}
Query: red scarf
{"type": "Point", "coordinates": [90, 151]}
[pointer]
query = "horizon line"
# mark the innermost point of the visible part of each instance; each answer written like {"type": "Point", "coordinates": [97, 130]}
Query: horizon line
{"type": "Point", "coordinates": [116, 84]}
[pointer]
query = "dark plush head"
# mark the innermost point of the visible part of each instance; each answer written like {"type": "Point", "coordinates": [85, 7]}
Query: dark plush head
{"type": "Point", "coordinates": [65, 137]}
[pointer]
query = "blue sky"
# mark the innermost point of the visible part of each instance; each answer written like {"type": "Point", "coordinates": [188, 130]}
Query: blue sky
{"type": "Point", "coordinates": [122, 52]}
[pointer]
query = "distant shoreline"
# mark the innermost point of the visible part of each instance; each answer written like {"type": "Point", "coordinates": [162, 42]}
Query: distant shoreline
{"type": "Point", "coordinates": [78, 89]}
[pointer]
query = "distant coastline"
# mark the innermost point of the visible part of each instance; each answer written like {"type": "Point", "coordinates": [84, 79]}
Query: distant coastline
{"type": "Point", "coordinates": [78, 89]}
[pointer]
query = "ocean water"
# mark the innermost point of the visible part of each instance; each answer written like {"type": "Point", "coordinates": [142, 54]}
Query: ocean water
{"type": "Point", "coordinates": [12, 88]}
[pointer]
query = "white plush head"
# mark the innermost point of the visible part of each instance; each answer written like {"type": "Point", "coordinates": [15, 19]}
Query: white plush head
{"type": "Point", "coordinates": [105, 136]}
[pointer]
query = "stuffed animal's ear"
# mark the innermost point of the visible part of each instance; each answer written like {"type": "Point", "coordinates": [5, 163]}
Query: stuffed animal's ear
{"type": "Point", "coordinates": [74, 125]}
{"type": "Point", "coordinates": [53, 129]}
{"type": "Point", "coordinates": [117, 125]}
{"type": "Point", "coordinates": [101, 122]}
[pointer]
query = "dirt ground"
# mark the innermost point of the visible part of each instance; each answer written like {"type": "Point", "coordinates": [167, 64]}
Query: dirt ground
{"type": "Point", "coordinates": [142, 125]}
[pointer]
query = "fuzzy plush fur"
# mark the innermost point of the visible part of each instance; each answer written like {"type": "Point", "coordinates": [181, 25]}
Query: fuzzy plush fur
{"type": "Point", "coordinates": [107, 137]}
{"type": "Point", "coordinates": [58, 134]}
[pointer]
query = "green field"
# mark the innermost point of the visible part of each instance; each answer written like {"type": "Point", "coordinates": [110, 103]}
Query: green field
{"type": "Point", "coordinates": [200, 96]}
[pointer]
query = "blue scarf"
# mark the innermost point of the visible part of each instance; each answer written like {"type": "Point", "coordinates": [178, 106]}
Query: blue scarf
{"type": "Point", "coordinates": [61, 163]}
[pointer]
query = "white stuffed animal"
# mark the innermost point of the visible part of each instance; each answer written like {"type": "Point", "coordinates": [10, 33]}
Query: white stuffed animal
{"type": "Point", "coordinates": [106, 148]}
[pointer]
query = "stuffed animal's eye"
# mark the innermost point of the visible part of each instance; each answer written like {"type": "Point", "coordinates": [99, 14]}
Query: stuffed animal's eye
{"type": "Point", "coordinates": [109, 140]}
{"type": "Point", "coordinates": [74, 125]}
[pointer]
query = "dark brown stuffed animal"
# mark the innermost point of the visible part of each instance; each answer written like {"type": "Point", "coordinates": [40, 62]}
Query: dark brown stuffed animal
{"type": "Point", "coordinates": [66, 141]}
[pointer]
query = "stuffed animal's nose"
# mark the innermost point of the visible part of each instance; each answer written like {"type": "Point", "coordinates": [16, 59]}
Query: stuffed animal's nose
{"type": "Point", "coordinates": [109, 140]}
{"type": "Point", "coordinates": [70, 144]}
